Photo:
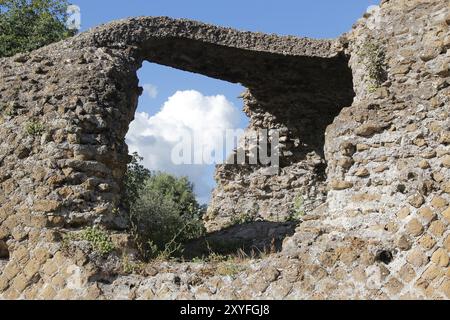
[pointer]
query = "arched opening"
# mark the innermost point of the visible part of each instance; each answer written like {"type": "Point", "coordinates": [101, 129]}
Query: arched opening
{"type": "Point", "coordinates": [175, 105]}
{"type": "Point", "coordinates": [296, 96]}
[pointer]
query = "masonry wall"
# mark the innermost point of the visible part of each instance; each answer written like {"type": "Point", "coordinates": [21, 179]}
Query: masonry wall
{"type": "Point", "coordinates": [372, 174]}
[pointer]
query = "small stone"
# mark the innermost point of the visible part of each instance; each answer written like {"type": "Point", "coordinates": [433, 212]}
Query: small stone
{"type": "Point", "coordinates": [431, 273]}
{"type": "Point", "coordinates": [420, 142]}
{"type": "Point", "coordinates": [439, 202]}
{"type": "Point", "coordinates": [359, 274]}
{"type": "Point", "coordinates": [446, 187]}
{"type": "Point", "coordinates": [362, 172]}
{"type": "Point", "coordinates": [403, 213]}
{"type": "Point", "coordinates": [150, 271]}
{"type": "Point", "coordinates": [417, 258]}
{"type": "Point", "coordinates": [414, 228]}
{"type": "Point", "coordinates": [48, 293]}
{"type": "Point", "coordinates": [445, 287]}
{"type": "Point", "coordinates": [439, 66]}
{"type": "Point", "coordinates": [416, 200]}
{"type": "Point", "coordinates": [424, 164]}
{"type": "Point", "coordinates": [427, 242]}
{"type": "Point", "coordinates": [271, 274]}
{"type": "Point", "coordinates": [407, 273]}
{"type": "Point", "coordinates": [447, 243]}
{"type": "Point", "coordinates": [56, 221]}
{"type": "Point", "coordinates": [411, 127]}
{"type": "Point", "coordinates": [427, 215]}
{"type": "Point", "coordinates": [429, 155]}
{"type": "Point", "coordinates": [381, 93]}
{"type": "Point", "coordinates": [440, 258]}
{"type": "Point", "coordinates": [403, 243]}
{"type": "Point", "coordinates": [446, 214]}
{"type": "Point", "coordinates": [20, 283]}
{"type": "Point", "coordinates": [369, 129]}
{"type": "Point", "coordinates": [345, 162]}
{"type": "Point", "coordinates": [438, 177]}
{"type": "Point", "coordinates": [428, 54]}
{"type": "Point", "coordinates": [46, 206]}
{"type": "Point", "coordinates": [394, 286]}
{"type": "Point", "coordinates": [362, 147]}
{"type": "Point", "coordinates": [437, 228]}
{"type": "Point", "coordinates": [347, 148]}
{"type": "Point", "coordinates": [340, 185]}
{"type": "Point", "coordinates": [380, 169]}
{"type": "Point", "coordinates": [446, 161]}
{"type": "Point", "coordinates": [104, 187]}
{"type": "Point", "coordinates": [400, 69]}
{"type": "Point", "coordinates": [391, 227]}
{"type": "Point", "coordinates": [445, 138]}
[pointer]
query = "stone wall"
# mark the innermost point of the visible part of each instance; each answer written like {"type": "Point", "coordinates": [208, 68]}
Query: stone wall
{"type": "Point", "coordinates": [371, 175]}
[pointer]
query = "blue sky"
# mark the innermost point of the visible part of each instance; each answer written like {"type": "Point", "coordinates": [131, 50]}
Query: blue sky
{"type": "Point", "coordinates": [314, 18]}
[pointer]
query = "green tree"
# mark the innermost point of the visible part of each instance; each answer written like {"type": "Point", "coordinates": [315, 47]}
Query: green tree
{"type": "Point", "coordinates": [177, 190]}
{"type": "Point", "coordinates": [135, 178]}
{"type": "Point", "coordinates": [163, 210]}
{"type": "Point", "coordinates": [26, 25]}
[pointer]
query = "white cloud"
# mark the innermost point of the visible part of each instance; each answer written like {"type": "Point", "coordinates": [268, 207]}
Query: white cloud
{"type": "Point", "coordinates": [184, 114]}
{"type": "Point", "coordinates": [150, 90]}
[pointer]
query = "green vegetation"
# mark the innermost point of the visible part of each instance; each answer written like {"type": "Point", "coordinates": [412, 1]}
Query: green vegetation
{"type": "Point", "coordinates": [163, 211]}
{"type": "Point", "coordinates": [374, 57]}
{"type": "Point", "coordinates": [26, 25]}
{"type": "Point", "coordinates": [129, 266]}
{"type": "Point", "coordinates": [98, 239]}
{"type": "Point", "coordinates": [229, 269]}
{"type": "Point", "coordinates": [225, 265]}
{"type": "Point", "coordinates": [34, 128]}
{"type": "Point", "coordinates": [298, 210]}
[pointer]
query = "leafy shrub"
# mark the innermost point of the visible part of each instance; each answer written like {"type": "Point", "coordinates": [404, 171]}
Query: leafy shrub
{"type": "Point", "coordinates": [99, 240]}
{"type": "Point", "coordinates": [163, 211]}
{"type": "Point", "coordinates": [34, 128]}
{"type": "Point", "coordinates": [298, 210]}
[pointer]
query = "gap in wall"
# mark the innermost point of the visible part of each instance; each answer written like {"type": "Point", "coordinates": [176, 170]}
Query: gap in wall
{"type": "Point", "coordinates": [175, 102]}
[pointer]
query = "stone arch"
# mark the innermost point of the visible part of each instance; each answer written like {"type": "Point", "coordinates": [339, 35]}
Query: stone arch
{"type": "Point", "coordinates": [295, 85]}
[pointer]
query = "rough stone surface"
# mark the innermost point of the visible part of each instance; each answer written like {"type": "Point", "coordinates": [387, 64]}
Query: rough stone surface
{"type": "Point", "coordinates": [375, 221]}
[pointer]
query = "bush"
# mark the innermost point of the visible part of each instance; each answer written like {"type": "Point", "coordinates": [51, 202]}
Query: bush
{"type": "Point", "coordinates": [26, 25]}
{"type": "Point", "coordinates": [34, 128]}
{"type": "Point", "coordinates": [98, 239]}
{"type": "Point", "coordinates": [163, 211]}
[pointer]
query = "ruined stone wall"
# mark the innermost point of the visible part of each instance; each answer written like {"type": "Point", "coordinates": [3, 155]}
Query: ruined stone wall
{"type": "Point", "coordinates": [372, 174]}
{"type": "Point", "coordinates": [299, 104]}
